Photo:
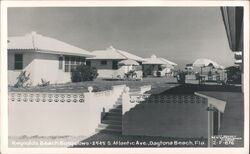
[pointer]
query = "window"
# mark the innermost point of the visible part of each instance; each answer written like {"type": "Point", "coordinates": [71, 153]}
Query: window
{"type": "Point", "coordinates": [71, 62]}
{"type": "Point", "coordinates": [159, 68]}
{"type": "Point", "coordinates": [78, 60]}
{"type": "Point", "coordinates": [60, 62]}
{"type": "Point", "coordinates": [18, 61]}
{"type": "Point", "coordinates": [88, 63]}
{"type": "Point", "coordinates": [137, 68]}
{"type": "Point", "coordinates": [66, 68]}
{"type": "Point", "coordinates": [103, 62]}
{"type": "Point", "coordinates": [114, 65]}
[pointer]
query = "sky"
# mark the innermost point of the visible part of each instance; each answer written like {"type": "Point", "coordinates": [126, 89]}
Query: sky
{"type": "Point", "coordinates": [179, 34]}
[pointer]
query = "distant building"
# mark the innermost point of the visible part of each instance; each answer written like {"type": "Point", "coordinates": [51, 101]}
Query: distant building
{"type": "Point", "coordinates": [189, 68]}
{"type": "Point", "coordinates": [43, 58]}
{"type": "Point", "coordinates": [109, 63]}
{"type": "Point", "coordinates": [156, 66]}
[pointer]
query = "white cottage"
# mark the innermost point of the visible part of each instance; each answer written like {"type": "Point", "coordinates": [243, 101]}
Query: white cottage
{"type": "Point", "coordinates": [108, 63]}
{"type": "Point", "coordinates": [156, 66]}
{"type": "Point", "coordinates": [43, 58]}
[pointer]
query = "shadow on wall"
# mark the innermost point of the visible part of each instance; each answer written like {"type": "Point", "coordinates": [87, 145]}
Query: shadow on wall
{"type": "Point", "coordinates": [169, 116]}
{"type": "Point", "coordinates": [176, 112]}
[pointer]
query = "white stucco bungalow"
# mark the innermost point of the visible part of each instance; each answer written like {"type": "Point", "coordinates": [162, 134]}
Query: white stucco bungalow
{"type": "Point", "coordinates": [43, 58]}
{"type": "Point", "coordinates": [157, 66]}
{"type": "Point", "coordinates": [108, 63]}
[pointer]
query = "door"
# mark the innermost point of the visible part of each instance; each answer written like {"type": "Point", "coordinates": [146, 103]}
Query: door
{"type": "Point", "coordinates": [114, 65]}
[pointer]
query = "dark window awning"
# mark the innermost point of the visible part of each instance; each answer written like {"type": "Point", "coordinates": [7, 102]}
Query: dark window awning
{"type": "Point", "coordinates": [233, 20]}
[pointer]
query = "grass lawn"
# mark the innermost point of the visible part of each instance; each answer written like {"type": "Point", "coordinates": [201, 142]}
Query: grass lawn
{"type": "Point", "coordinates": [100, 85]}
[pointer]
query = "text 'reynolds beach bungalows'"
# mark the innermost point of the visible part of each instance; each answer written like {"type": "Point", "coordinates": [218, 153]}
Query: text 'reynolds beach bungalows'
{"type": "Point", "coordinates": [43, 58]}
{"type": "Point", "coordinates": [158, 67]}
{"type": "Point", "coordinates": [115, 64]}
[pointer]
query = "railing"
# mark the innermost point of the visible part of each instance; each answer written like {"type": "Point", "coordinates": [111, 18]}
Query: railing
{"type": "Point", "coordinates": [42, 97]}
{"type": "Point", "coordinates": [38, 97]}
{"type": "Point", "coordinates": [144, 89]}
{"type": "Point", "coordinates": [130, 99]}
{"type": "Point", "coordinates": [138, 98]}
{"type": "Point", "coordinates": [168, 99]}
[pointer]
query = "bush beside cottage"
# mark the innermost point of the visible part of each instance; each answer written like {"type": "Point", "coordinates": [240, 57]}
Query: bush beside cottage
{"type": "Point", "coordinates": [83, 73]}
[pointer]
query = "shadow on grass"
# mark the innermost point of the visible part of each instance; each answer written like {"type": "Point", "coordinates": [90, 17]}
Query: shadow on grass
{"type": "Point", "coordinates": [172, 83]}
{"type": "Point", "coordinates": [191, 88]}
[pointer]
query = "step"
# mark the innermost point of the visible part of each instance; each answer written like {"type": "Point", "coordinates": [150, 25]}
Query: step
{"type": "Point", "coordinates": [113, 114]}
{"type": "Point", "coordinates": [99, 130]}
{"type": "Point", "coordinates": [110, 126]}
{"type": "Point", "coordinates": [134, 90]}
{"type": "Point", "coordinates": [112, 117]}
{"type": "Point", "coordinates": [118, 110]}
{"type": "Point", "coordinates": [113, 122]}
{"type": "Point", "coordinates": [118, 103]}
{"type": "Point", "coordinates": [117, 106]}
{"type": "Point", "coordinates": [119, 99]}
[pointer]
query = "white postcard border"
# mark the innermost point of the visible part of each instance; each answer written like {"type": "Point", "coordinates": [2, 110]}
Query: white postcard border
{"type": "Point", "coordinates": [4, 86]}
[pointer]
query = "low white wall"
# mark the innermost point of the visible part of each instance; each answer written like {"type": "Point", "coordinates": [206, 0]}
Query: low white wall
{"type": "Point", "coordinates": [131, 99]}
{"type": "Point", "coordinates": [146, 88]}
{"type": "Point", "coordinates": [48, 119]}
{"type": "Point", "coordinates": [36, 114]}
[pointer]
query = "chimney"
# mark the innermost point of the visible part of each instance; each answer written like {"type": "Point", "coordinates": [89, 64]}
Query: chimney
{"type": "Point", "coordinates": [111, 47]}
{"type": "Point", "coordinates": [33, 33]}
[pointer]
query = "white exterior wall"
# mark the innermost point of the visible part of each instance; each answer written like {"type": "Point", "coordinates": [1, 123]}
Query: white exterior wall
{"type": "Point", "coordinates": [163, 71]}
{"type": "Point", "coordinates": [28, 66]}
{"type": "Point", "coordinates": [47, 68]}
{"type": "Point", "coordinates": [106, 71]}
{"type": "Point", "coordinates": [40, 66]}
{"type": "Point", "coordinates": [155, 70]}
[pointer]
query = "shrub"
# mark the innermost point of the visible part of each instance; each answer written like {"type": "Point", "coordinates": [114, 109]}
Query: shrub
{"type": "Point", "coordinates": [83, 73]}
{"type": "Point", "coordinates": [44, 83]}
{"type": "Point", "coordinates": [131, 74]}
{"type": "Point", "coordinates": [23, 80]}
{"type": "Point", "coordinates": [233, 75]}
{"type": "Point", "coordinates": [181, 77]}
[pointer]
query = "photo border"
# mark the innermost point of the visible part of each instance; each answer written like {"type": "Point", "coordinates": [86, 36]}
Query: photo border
{"type": "Point", "coordinates": [141, 3]}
